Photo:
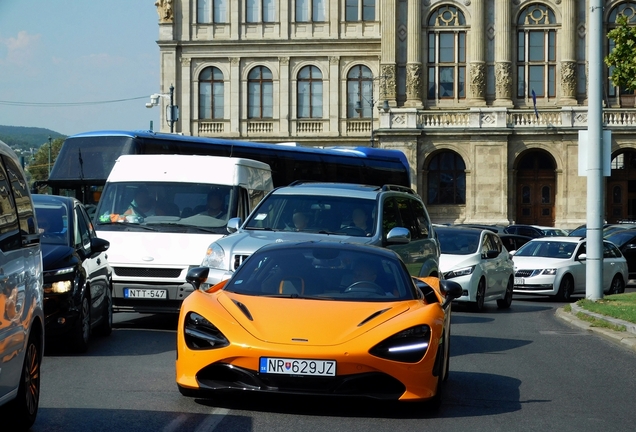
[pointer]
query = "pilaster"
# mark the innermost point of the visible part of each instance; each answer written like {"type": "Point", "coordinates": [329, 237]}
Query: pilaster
{"type": "Point", "coordinates": [477, 68]}
{"type": "Point", "coordinates": [284, 98]}
{"type": "Point", "coordinates": [414, 63]}
{"type": "Point", "coordinates": [387, 57]}
{"type": "Point", "coordinates": [568, 53]}
{"type": "Point", "coordinates": [503, 60]}
{"type": "Point", "coordinates": [234, 100]}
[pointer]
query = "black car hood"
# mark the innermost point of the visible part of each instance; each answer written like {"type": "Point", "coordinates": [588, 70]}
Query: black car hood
{"type": "Point", "coordinates": [58, 256]}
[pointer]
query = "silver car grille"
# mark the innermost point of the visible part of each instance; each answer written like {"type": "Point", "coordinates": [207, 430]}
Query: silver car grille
{"type": "Point", "coordinates": [238, 260]}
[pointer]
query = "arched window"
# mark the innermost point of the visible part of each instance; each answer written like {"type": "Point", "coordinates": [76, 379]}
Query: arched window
{"type": "Point", "coordinates": [257, 11]}
{"type": "Point", "coordinates": [627, 9]}
{"type": "Point", "coordinates": [360, 10]}
{"type": "Point", "coordinates": [447, 179]}
{"type": "Point", "coordinates": [212, 11]}
{"type": "Point", "coordinates": [359, 92]}
{"type": "Point", "coordinates": [446, 54]}
{"type": "Point", "coordinates": [536, 52]}
{"type": "Point", "coordinates": [309, 92]}
{"type": "Point", "coordinates": [310, 11]}
{"type": "Point", "coordinates": [260, 93]}
{"type": "Point", "coordinates": [211, 93]}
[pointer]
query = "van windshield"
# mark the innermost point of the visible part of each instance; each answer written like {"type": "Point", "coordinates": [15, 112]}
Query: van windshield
{"type": "Point", "coordinates": [166, 205]}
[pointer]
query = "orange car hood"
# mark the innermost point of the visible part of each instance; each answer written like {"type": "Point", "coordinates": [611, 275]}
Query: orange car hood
{"type": "Point", "coordinates": [317, 322]}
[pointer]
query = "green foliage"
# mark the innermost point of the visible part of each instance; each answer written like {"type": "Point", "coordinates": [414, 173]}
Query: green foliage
{"type": "Point", "coordinates": [623, 56]}
{"type": "Point", "coordinates": [23, 139]}
{"type": "Point", "coordinates": [38, 168]}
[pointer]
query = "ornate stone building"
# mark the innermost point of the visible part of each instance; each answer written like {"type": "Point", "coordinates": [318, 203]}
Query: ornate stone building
{"type": "Point", "coordinates": [452, 83]}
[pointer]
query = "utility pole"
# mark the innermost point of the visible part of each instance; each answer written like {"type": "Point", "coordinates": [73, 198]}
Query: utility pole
{"type": "Point", "coordinates": [49, 157]}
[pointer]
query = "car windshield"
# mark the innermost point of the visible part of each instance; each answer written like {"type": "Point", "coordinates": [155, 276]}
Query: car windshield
{"type": "Point", "coordinates": [53, 223]}
{"type": "Point", "coordinates": [311, 213]}
{"type": "Point", "coordinates": [455, 242]}
{"type": "Point", "coordinates": [166, 205]}
{"type": "Point", "coordinates": [622, 237]}
{"type": "Point", "coordinates": [554, 232]}
{"type": "Point", "coordinates": [331, 273]}
{"type": "Point", "coordinates": [547, 249]}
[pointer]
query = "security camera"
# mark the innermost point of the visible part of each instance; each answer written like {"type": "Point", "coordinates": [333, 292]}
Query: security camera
{"type": "Point", "coordinates": [149, 105]}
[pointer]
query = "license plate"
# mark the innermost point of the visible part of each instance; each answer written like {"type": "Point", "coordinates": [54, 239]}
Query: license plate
{"type": "Point", "coordinates": [520, 281]}
{"type": "Point", "coordinates": [144, 293]}
{"type": "Point", "coordinates": [285, 366]}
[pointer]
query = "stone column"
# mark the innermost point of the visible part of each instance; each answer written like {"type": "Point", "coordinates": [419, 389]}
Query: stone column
{"type": "Point", "coordinates": [477, 67]}
{"type": "Point", "coordinates": [568, 53]}
{"type": "Point", "coordinates": [233, 103]}
{"type": "Point", "coordinates": [413, 61]}
{"type": "Point", "coordinates": [283, 96]}
{"type": "Point", "coordinates": [185, 109]}
{"type": "Point", "coordinates": [503, 59]}
{"type": "Point", "coordinates": [387, 59]}
{"type": "Point", "coordinates": [334, 95]}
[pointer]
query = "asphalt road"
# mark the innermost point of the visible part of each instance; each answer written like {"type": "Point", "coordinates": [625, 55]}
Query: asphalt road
{"type": "Point", "coordinates": [522, 369]}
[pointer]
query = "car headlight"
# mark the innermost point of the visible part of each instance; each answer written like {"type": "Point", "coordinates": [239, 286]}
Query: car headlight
{"type": "Point", "coordinates": [549, 272]}
{"type": "Point", "coordinates": [201, 334]}
{"type": "Point", "coordinates": [214, 256]}
{"type": "Point", "coordinates": [465, 271]}
{"type": "Point", "coordinates": [408, 346]}
{"type": "Point", "coordinates": [59, 287]}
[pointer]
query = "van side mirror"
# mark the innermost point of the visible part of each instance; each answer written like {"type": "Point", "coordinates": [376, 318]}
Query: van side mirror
{"type": "Point", "coordinates": [233, 224]}
{"type": "Point", "coordinates": [398, 235]}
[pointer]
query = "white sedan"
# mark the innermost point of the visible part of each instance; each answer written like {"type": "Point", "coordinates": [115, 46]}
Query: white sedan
{"type": "Point", "coordinates": [477, 260]}
{"type": "Point", "coordinates": [555, 266]}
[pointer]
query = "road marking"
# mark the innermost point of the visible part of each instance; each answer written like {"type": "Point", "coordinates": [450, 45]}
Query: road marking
{"type": "Point", "coordinates": [175, 424]}
{"type": "Point", "coordinates": [212, 420]}
{"type": "Point", "coordinates": [562, 333]}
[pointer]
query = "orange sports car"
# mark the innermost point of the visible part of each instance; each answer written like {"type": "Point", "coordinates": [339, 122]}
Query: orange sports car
{"type": "Point", "coordinates": [320, 318]}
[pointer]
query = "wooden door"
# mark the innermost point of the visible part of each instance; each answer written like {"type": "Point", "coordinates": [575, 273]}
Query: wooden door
{"type": "Point", "coordinates": [536, 186]}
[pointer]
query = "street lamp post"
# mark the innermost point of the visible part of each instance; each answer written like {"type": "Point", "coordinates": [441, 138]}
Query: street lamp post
{"type": "Point", "coordinates": [372, 102]}
{"type": "Point", "coordinates": [49, 156]}
{"type": "Point", "coordinates": [172, 110]}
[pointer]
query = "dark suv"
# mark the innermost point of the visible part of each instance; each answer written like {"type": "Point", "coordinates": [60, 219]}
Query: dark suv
{"type": "Point", "coordinates": [389, 216]}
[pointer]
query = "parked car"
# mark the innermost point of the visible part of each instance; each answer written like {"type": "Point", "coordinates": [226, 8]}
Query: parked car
{"type": "Point", "coordinates": [321, 317]}
{"type": "Point", "coordinates": [499, 229]}
{"type": "Point", "coordinates": [77, 276]}
{"type": "Point", "coordinates": [535, 231]}
{"type": "Point", "coordinates": [581, 230]}
{"type": "Point", "coordinates": [21, 308]}
{"type": "Point", "coordinates": [625, 240]}
{"type": "Point", "coordinates": [555, 266]}
{"type": "Point", "coordinates": [390, 216]}
{"type": "Point", "coordinates": [513, 242]}
{"type": "Point", "coordinates": [477, 260]}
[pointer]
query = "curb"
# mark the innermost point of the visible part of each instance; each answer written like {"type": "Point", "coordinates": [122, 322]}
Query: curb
{"type": "Point", "coordinates": [626, 338]}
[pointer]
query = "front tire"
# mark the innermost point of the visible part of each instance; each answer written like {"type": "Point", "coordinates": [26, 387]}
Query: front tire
{"type": "Point", "coordinates": [83, 328]}
{"type": "Point", "coordinates": [566, 289]}
{"type": "Point", "coordinates": [105, 328]}
{"type": "Point", "coordinates": [24, 408]}
{"type": "Point", "coordinates": [478, 304]}
{"type": "Point", "coordinates": [505, 302]}
{"type": "Point", "coordinates": [618, 286]}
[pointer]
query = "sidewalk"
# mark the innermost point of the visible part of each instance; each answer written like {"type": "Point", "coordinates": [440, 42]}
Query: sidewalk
{"type": "Point", "coordinates": [627, 338]}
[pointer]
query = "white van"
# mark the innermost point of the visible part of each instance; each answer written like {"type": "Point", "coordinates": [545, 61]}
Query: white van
{"type": "Point", "coordinates": [160, 213]}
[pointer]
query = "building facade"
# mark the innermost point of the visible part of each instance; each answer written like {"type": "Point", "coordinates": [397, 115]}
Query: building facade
{"type": "Point", "coordinates": [485, 97]}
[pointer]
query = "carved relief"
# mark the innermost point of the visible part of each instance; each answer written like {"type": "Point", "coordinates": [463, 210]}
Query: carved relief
{"type": "Point", "coordinates": [503, 80]}
{"type": "Point", "coordinates": [185, 61]}
{"type": "Point", "coordinates": [413, 81]}
{"type": "Point", "coordinates": [568, 78]}
{"type": "Point", "coordinates": [284, 61]}
{"type": "Point", "coordinates": [235, 61]}
{"type": "Point", "coordinates": [387, 86]}
{"type": "Point", "coordinates": [334, 60]}
{"type": "Point", "coordinates": [165, 11]}
{"type": "Point", "coordinates": [478, 80]}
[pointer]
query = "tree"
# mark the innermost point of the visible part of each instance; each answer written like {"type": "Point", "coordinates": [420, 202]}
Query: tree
{"type": "Point", "coordinates": [39, 166]}
{"type": "Point", "coordinates": [623, 56]}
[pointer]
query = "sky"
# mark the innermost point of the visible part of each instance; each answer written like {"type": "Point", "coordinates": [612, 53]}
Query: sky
{"type": "Point", "coordinates": [79, 65]}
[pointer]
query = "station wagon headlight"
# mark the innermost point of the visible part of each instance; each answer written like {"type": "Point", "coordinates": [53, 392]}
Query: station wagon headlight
{"type": "Point", "coordinates": [465, 271]}
{"type": "Point", "coordinates": [214, 256]}
{"type": "Point", "coordinates": [60, 287]}
{"type": "Point", "coordinates": [201, 334]}
{"type": "Point", "coordinates": [549, 272]}
{"type": "Point", "coordinates": [408, 346]}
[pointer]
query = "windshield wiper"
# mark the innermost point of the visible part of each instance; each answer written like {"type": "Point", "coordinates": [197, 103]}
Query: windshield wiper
{"type": "Point", "coordinates": [260, 228]}
{"type": "Point", "coordinates": [127, 225]}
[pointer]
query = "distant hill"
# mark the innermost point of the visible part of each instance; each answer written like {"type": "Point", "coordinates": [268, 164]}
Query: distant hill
{"type": "Point", "coordinates": [24, 138]}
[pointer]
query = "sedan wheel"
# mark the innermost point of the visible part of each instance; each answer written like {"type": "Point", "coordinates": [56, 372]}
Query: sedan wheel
{"type": "Point", "coordinates": [105, 327]}
{"type": "Point", "coordinates": [505, 302]}
{"type": "Point", "coordinates": [566, 288]}
{"type": "Point", "coordinates": [478, 305]}
{"type": "Point", "coordinates": [618, 286]}
{"type": "Point", "coordinates": [83, 329]}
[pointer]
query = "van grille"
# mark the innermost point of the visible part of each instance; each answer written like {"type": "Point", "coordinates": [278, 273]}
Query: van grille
{"type": "Point", "coordinates": [238, 260]}
{"type": "Point", "coordinates": [147, 272]}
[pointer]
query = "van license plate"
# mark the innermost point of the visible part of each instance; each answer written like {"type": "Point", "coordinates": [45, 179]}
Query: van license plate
{"type": "Point", "coordinates": [297, 367]}
{"type": "Point", "coordinates": [144, 293]}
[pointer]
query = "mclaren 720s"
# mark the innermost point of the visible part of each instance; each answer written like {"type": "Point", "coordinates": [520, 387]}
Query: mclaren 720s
{"type": "Point", "coordinates": [317, 318]}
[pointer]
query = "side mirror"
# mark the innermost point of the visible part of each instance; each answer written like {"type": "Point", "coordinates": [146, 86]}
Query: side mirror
{"type": "Point", "coordinates": [233, 224]}
{"type": "Point", "coordinates": [398, 235]}
{"type": "Point", "coordinates": [99, 245]}
{"type": "Point", "coordinates": [197, 276]}
{"type": "Point", "coordinates": [451, 289]}
{"type": "Point", "coordinates": [492, 254]}
{"type": "Point", "coordinates": [581, 257]}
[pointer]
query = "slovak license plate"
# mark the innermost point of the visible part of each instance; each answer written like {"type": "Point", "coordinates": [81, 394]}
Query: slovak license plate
{"type": "Point", "coordinates": [520, 281]}
{"type": "Point", "coordinates": [144, 293]}
{"type": "Point", "coordinates": [285, 366]}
